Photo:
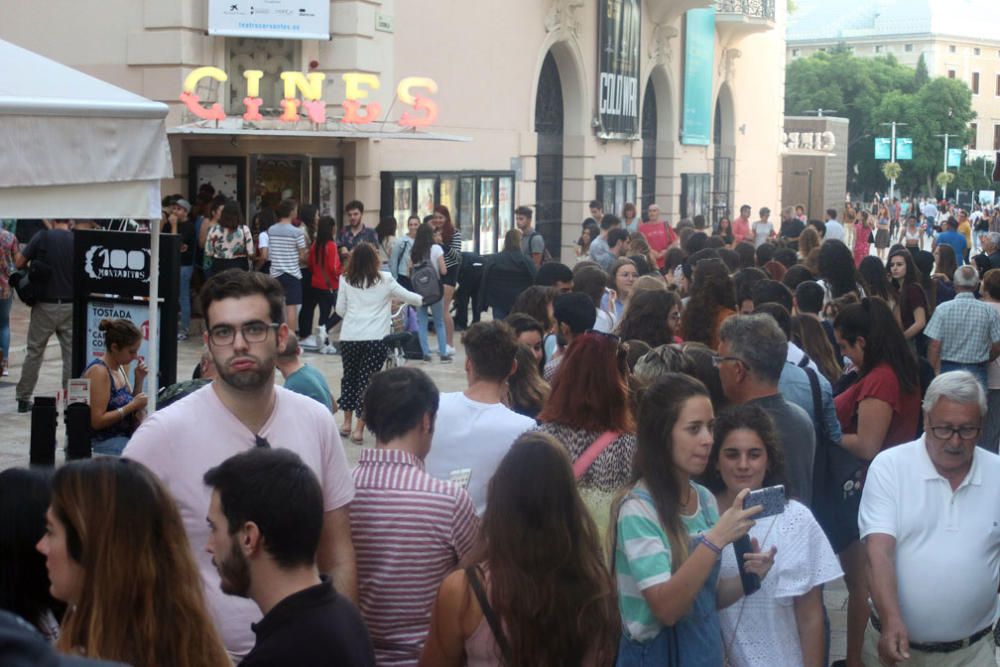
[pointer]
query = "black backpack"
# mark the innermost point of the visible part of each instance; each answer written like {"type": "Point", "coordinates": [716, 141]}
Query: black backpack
{"type": "Point", "coordinates": [425, 280]}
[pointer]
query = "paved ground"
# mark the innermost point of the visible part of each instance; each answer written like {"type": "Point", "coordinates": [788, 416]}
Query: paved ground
{"type": "Point", "coordinates": [14, 427]}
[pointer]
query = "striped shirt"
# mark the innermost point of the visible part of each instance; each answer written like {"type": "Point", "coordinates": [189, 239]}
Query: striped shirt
{"type": "Point", "coordinates": [284, 243]}
{"type": "Point", "coordinates": [453, 253]}
{"type": "Point", "coordinates": [409, 530]}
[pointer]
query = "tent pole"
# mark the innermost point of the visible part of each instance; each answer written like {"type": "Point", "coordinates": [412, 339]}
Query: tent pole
{"type": "Point", "coordinates": [154, 294]}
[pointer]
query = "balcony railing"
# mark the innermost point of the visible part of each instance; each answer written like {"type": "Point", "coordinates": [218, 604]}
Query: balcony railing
{"type": "Point", "coordinates": [754, 9]}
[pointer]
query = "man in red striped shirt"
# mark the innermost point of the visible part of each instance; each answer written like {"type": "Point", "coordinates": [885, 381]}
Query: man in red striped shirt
{"type": "Point", "coordinates": [409, 529]}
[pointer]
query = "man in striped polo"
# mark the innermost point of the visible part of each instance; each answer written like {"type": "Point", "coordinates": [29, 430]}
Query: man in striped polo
{"type": "Point", "coordinates": [409, 529]}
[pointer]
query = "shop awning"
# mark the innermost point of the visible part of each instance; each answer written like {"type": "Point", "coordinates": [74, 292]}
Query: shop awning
{"type": "Point", "coordinates": [235, 126]}
{"type": "Point", "coordinates": [72, 146]}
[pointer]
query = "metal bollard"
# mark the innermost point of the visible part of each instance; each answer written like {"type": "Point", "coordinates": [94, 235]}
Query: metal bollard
{"type": "Point", "coordinates": [77, 420]}
{"type": "Point", "coordinates": [43, 431]}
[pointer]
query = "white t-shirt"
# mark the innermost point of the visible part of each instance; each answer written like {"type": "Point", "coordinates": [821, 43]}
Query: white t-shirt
{"type": "Point", "coordinates": [834, 230]}
{"type": "Point", "coordinates": [262, 240]}
{"type": "Point", "coordinates": [767, 634]}
{"type": "Point", "coordinates": [761, 232]}
{"type": "Point", "coordinates": [605, 322]}
{"type": "Point", "coordinates": [182, 442]}
{"type": "Point", "coordinates": [473, 435]}
{"type": "Point", "coordinates": [947, 543]}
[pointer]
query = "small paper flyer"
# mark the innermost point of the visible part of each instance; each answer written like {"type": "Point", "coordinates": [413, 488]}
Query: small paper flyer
{"type": "Point", "coordinates": [79, 391]}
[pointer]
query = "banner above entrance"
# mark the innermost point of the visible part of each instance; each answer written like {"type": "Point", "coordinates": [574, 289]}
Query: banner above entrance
{"type": "Point", "coordinates": [619, 23]}
{"type": "Point", "coordinates": [270, 19]}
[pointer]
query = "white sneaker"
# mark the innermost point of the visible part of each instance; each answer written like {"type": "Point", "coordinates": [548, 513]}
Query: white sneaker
{"type": "Point", "coordinates": [329, 349]}
{"type": "Point", "coordinates": [451, 350]}
{"type": "Point", "coordinates": [309, 342]}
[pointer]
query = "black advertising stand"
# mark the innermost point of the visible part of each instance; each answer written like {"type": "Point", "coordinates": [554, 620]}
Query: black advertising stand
{"type": "Point", "coordinates": [111, 280]}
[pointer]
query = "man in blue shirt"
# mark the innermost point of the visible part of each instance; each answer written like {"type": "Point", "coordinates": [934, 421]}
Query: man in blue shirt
{"type": "Point", "coordinates": [303, 378]}
{"type": "Point", "coordinates": [951, 237]}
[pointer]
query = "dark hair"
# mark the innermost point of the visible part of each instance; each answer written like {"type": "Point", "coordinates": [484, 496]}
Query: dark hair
{"type": "Point", "coordinates": [785, 256]}
{"type": "Point", "coordinates": [590, 392]}
{"type": "Point", "coordinates": [523, 211]}
{"type": "Point", "coordinates": [647, 317]}
{"type": "Point", "coordinates": [590, 280]}
{"type": "Point", "coordinates": [675, 257]}
{"type": "Point", "coordinates": [695, 242]}
{"type": "Point", "coordinates": [771, 291]}
{"type": "Point", "coordinates": [832, 212]}
{"type": "Point", "coordinates": [236, 284]}
{"type": "Point", "coordinates": [796, 275]}
{"type": "Point", "coordinates": [354, 205]}
{"type": "Point", "coordinates": [276, 490]}
{"type": "Point", "coordinates": [747, 254]}
{"type": "Point", "coordinates": [836, 268]}
{"type": "Point", "coordinates": [217, 201]}
{"type": "Point", "coordinates": [535, 301]}
{"type": "Point", "coordinates": [780, 314]}
{"type": "Point", "coordinates": [307, 216]}
{"type": "Point", "coordinates": [946, 262]}
{"type": "Point", "coordinates": [711, 291]}
{"type": "Point", "coordinates": [616, 236]}
{"type": "Point", "coordinates": [24, 580]}
{"type": "Point", "coordinates": [264, 219]}
{"type": "Point", "coordinates": [121, 333]}
{"type": "Point", "coordinates": [653, 463]}
{"type": "Point", "coordinates": [701, 366]}
{"type": "Point", "coordinates": [324, 234]}
{"type": "Point", "coordinates": [521, 323]}
{"type": "Point", "coordinates": [397, 400]}
{"type": "Point", "coordinates": [285, 208]}
{"type": "Point", "coordinates": [718, 243]}
{"type": "Point", "coordinates": [551, 273]}
{"type": "Point", "coordinates": [548, 584]}
{"type": "Point", "coordinates": [809, 297]}
{"type": "Point", "coordinates": [608, 221]}
{"type": "Point", "coordinates": [692, 260]}
{"type": "Point", "coordinates": [744, 281]}
{"type": "Point", "coordinates": [490, 347]}
{"type": "Point", "coordinates": [386, 227]}
{"type": "Point", "coordinates": [991, 284]}
{"type": "Point", "coordinates": [596, 203]}
{"type": "Point", "coordinates": [764, 253]}
{"type": "Point", "coordinates": [912, 277]}
{"type": "Point", "coordinates": [748, 417]}
{"type": "Point", "coordinates": [363, 265]}
{"type": "Point", "coordinates": [526, 389]}
{"type": "Point", "coordinates": [730, 257]}
{"type": "Point", "coordinates": [884, 341]}
{"type": "Point", "coordinates": [422, 243]}
{"type": "Point", "coordinates": [232, 215]}
{"type": "Point", "coordinates": [809, 334]}
{"type": "Point", "coordinates": [876, 278]}
{"type": "Point", "coordinates": [616, 266]}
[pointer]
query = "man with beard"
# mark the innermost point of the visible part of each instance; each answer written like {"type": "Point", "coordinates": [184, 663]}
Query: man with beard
{"type": "Point", "coordinates": [240, 410]}
{"type": "Point", "coordinates": [354, 232]}
{"type": "Point", "coordinates": [265, 520]}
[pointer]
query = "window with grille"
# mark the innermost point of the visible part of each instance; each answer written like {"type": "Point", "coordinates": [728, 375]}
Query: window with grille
{"type": "Point", "coordinates": [271, 56]}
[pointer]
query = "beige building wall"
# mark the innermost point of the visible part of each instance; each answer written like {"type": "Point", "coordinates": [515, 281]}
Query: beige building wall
{"type": "Point", "coordinates": [486, 59]}
{"type": "Point", "coordinates": [954, 57]}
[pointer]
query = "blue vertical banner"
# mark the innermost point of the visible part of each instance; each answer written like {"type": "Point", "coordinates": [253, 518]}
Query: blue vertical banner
{"type": "Point", "coordinates": [699, 67]}
{"type": "Point", "coordinates": [904, 148]}
{"type": "Point", "coordinates": [954, 157]}
{"type": "Point", "coordinates": [883, 148]}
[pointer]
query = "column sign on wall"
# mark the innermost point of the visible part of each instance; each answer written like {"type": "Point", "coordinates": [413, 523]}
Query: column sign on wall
{"type": "Point", "coordinates": [699, 65]}
{"type": "Point", "coordinates": [618, 69]}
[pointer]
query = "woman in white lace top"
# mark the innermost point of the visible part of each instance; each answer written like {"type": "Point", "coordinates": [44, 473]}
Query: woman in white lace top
{"type": "Point", "coordinates": [781, 625]}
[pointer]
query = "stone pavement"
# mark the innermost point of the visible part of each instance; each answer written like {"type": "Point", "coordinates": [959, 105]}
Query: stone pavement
{"type": "Point", "coordinates": [14, 427]}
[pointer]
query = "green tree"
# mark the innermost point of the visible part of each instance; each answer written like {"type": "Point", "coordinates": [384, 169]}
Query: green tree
{"type": "Point", "coordinates": [872, 91]}
{"type": "Point", "coordinates": [974, 176]}
{"type": "Point", "coordinates": [922, 76]}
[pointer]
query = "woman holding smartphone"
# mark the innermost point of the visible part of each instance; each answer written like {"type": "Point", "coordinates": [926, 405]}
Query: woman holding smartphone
{"type": "Point", "coordinates": [668, 535]}
{"type": "Point", "coordinates": [781, 625]}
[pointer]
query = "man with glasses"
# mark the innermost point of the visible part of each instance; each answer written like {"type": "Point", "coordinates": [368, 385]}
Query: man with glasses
{"type": "Point", "coordinates": [930, 520]}
{"type": "Point", "coordinates": [240, 410]}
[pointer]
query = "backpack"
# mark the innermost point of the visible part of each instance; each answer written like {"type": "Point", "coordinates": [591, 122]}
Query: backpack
{"type": "Point", "coordinates": [426, 281]}
{"type": "Point", "coordinates": [546, 255]}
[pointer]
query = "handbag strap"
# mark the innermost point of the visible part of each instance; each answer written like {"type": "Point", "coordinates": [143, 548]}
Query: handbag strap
{"type": "Point", "coordinates": [472, 574]}
{"type": "Point", "coordinates": [582, 464]}
{"type": "Point", "coordinates": [817, 405]}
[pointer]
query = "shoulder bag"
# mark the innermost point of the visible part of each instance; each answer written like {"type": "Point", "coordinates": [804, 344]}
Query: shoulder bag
{"type": "Point", "coordinates": [472, 574]}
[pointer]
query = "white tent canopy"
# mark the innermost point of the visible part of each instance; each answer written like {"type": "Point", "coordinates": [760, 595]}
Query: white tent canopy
{"type": "Point", "coordinates": [72, 146]}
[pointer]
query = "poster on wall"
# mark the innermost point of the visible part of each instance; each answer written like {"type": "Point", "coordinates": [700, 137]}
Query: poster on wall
{"type": "Point", "coordinates": [222, 177]}
{"type": "Point", "coordinates": [505, 187]}
{"type": "Point", "coordinates": [136, 313]}
{"type": "Point", "coordinates": [270, 19]}
{"type": "Point", "coordinates": [618, 69]}
{"type": "Point", "coordinates": [699, 67]}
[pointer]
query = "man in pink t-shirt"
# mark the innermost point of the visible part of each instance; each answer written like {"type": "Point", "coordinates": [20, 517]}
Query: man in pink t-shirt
{"type": "Point", "coordinates": [741, 225]}
{"type": "Point", "coordinates": [242, 409]}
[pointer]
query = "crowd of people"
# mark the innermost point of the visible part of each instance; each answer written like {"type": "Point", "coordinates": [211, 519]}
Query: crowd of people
{"type": "Point", "coordinates": [585, 499]}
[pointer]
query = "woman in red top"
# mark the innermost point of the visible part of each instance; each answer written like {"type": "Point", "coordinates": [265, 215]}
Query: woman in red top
{"type": "Point", "coordinates": [880, 410]}
{"type": "Point", "coordinates": [324, 264]}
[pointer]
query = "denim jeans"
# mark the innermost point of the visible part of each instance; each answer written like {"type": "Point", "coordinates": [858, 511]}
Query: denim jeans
{"type": "Point", "coordinates": [109, 446]}
{"type": "Point", "coordinates": [437, 311]}
{"type": "Point", "coordinates": [977, 370]}
{"type": "Point", "coordinates": [5, 305]}
{"type": "Point", "coordinates": [185, 297]}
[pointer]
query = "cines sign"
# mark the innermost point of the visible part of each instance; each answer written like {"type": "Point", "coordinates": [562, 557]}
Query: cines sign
{"type": "Point", "coordinates": [357, 87]}
{"type": "Point", "coordinates": [821, 142]}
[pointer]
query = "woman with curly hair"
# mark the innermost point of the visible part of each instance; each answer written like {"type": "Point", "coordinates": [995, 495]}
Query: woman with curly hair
{"type": "Point", "coordinates": [808, 240]}
{"type": "Point", "coordinates": [539, 593]}
{"type": "Point", "coordinates": [713, 299]}
{"type": "Point", "coordinates": [118, 555]}
{"type": "Point", "coordinates": [648, 318]}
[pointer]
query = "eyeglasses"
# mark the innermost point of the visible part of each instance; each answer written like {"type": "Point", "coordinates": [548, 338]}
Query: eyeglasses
{"type": "Point", "coordinates": [964, 432]}
{"type": "Point", "coordinates": [252, 332]}
{"type": "Point", "coordinates": [717, 360]}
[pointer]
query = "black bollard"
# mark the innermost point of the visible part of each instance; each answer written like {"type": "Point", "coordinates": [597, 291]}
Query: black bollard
{"type": "Point", "coordinates": [77, 419]}
{"type": "Point", "coordinates": [43, 431]}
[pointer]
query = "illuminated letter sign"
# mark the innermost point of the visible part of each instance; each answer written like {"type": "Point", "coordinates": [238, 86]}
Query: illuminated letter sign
{"type": "Point", "coordinates": [418, 103]}
{"type": "Point", "coordinates": [354, 81]}
{"type": "Point", "coordinates": [191, 99]}
{"type": "Point", "coordinates": [252, 101]}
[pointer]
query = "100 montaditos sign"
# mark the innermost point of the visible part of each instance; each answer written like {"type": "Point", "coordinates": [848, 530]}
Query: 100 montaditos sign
{"type": "Point", "coordinates": [357, 87]}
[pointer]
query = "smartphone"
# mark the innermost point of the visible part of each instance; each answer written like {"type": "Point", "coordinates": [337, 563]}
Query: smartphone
{"type": "Point", "coordinates": [461, 477]}
{"type": "Point", "coordinates": [750, 581]}
{"type": "Point", "coordinates": [772, 498]}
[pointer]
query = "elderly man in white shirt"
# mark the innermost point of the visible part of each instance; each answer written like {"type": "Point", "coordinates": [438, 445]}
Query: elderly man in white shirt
{"type": "Point", "coordinates": [930, 519]}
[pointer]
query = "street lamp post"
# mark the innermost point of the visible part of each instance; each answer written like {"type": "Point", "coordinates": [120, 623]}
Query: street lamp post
{"type": "Point", "coordinates": [892, 158]}
{"type": "Point", "coordinates": [944, 186]}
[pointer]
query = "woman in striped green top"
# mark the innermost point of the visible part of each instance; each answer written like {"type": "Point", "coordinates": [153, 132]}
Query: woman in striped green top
{"type": "Point", "coordinates": [669, 535]}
